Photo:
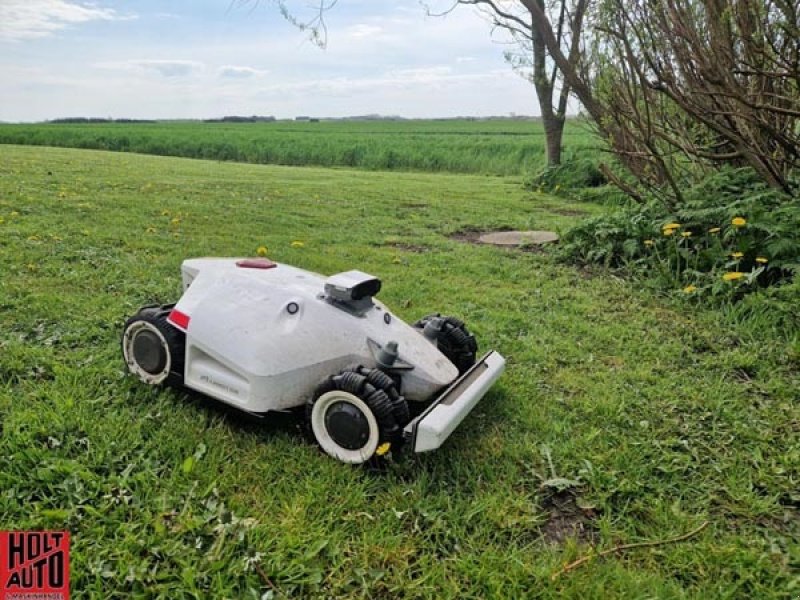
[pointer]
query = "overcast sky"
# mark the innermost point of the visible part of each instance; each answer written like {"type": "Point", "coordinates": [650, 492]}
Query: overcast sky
{"type": "Point", "coordinates": [210, 58]}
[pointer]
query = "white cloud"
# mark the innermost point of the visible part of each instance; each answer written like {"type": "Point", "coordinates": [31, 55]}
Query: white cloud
{"type": "Point", "coordinates": [239, 72]}
{"type": "Point", "coordinates": [165, 68]}
{"type": "Point", "coordinates": [363, 31]}
{"type": "Point", "coordinates": [31, 19]}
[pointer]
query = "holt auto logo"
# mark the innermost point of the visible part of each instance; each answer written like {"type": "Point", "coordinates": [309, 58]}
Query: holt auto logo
{"type": "Point", "coordinates": [34, 565]}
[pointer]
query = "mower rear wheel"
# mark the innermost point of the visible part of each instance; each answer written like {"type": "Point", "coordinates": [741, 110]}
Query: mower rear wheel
{"type": "Point", "coordinates": [454, 340]}
{"type": "Point", "coordinates": [153, 349]}
{"type": "Point", "coordinates": [351, 419]}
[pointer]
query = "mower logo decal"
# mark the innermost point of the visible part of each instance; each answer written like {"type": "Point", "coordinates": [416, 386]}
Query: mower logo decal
{"type": "Point", "coordinates": [34, 565]}
{"type": "Point", "coordinates": [218, 384]}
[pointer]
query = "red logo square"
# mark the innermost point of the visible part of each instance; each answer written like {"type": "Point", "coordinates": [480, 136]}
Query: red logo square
{"type": "Point", "coordinates": [34, 565]}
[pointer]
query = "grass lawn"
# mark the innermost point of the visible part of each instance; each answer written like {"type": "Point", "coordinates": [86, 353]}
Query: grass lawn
{"type": "Point", "coordinates": [620, 419]}
{"type": "Point", "coordinates": [494, 147]}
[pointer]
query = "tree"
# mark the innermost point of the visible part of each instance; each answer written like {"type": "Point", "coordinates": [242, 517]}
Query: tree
{"type": "Point", "coordinates": [532, 57]}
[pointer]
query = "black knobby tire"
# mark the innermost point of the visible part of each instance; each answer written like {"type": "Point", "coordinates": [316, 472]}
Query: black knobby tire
{"type": "Point", "coordinates": [382, 381]}
{"type": "Point", "coordinates": [174, 338]}
{"type": "Point", "coordinates": [454, 340]}
{"type": "Point", "coordinates": [375, 399]}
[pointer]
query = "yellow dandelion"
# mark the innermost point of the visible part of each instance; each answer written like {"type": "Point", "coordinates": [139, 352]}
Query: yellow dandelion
{"type": "Point", "coordinates": [762, 260]}
{"type": "Point", "coordinates": [737, 255]}
{"type": "Point", "coordinates": [175, 221]}
{"type": "Point", "coordinates": [297, 244]}
{"type": "Point", "coordinates": [671, 226]}
{"type": "Point", "coordinates": [733, 275]}
{"type": "Point", "coordinates": [164, 213]}
{"type": "Point", "coordinates": [383, 449]}
{"type": "Point", "coordinates": [738, 222]}
{"type": "Point", "coordinates": [668, 232]}
{"type": "Point", "coordinates": [261, 251]}
{"type": "Point", "coordinates": [686, 234]}
{"type": "Point", "coordinates": [714, 230]}
{"type": "Point", "coordinates": [689, 289]}
{"type": "Point", "coordinates": [649, 242]}
{"type": "Point", "coordinates": [151, 230]}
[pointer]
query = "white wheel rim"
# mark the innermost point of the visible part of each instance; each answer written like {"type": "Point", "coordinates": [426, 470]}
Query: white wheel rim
{"type": "Point", "coordinates": [327, 443]}
{"type": "Point", "coordinates": [127, 351]}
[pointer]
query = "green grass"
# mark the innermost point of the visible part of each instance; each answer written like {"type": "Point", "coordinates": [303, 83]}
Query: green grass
{"type": "Point", "coordinates": [620, 418]}
{"type": "Point", "coordinates": [499, 147]}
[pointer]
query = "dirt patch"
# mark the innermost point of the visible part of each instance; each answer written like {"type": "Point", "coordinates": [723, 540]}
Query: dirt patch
{"type": "Point", "coordinates": [567, 212]}
{"type": "Point", "coordinates": [406, 247]}
{"type": "Point", "coordinates": [567, 520]}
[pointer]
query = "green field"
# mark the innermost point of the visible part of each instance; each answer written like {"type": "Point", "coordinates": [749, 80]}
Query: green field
{"type": "Point", "coordinates": [492, 147]}
{"type": "Point", "coordinates": [621, 418]}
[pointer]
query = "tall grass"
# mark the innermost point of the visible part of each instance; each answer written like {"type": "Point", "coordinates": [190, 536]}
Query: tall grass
{"type": "Point", "coordinates": [496, 147]}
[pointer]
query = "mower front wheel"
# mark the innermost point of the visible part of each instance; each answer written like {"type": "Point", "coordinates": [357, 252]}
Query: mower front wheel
{"type": "Point", "coordinates": [453, 339]}
{"type": "Point", "coordinates": [351, 419]}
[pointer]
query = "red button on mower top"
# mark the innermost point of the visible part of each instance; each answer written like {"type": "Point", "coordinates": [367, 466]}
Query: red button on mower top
{"type": "Point", "coordinates": [256, 263]}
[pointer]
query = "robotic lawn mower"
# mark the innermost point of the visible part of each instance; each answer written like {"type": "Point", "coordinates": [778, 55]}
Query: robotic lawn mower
{"type": "Point", "coordinates": [263, 336]}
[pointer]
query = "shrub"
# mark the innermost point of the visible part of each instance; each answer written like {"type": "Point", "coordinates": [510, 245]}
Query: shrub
{"type": "Point", "coordinates": [731, 235]}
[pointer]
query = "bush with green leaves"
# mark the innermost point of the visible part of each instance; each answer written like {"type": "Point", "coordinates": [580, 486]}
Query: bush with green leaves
{"type": "Point", "coordinates": [579, 169]}
{"type": "Point", "coordinates": [730, 236]}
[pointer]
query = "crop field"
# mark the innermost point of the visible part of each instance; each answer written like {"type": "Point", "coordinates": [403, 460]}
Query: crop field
{"type": "Point", "coordinates": [622, 419]}
{"type": "Point", "coordinates": [492, 147]}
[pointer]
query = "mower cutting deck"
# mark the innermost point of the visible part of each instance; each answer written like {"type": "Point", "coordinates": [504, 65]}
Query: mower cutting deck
{"type": "Point", "coordinates": [263, 336]}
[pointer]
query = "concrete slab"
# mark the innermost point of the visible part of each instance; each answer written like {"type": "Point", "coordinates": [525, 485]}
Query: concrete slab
{"type": "Point", "coordinates": [518, 238]}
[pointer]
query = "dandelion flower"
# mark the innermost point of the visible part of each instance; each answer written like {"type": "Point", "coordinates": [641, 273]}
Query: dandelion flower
{"type": "Point", "coordinates": [762, 260]}
{"type": "Point", "coordinates": [297, 244]}
{"type": "Point", "coordinates": [714, 230]}
{"type": "Point", "coordinates": [668, 232]}
{"type": "Point", "coordinates": [737, 255]}
{"type": "Point", "coordinates": [175, 221]}
{"type": "Point", "coordinates": [686, 234]}
{"type": "Point", "coordinates": [738, 222]}
{"type": "Point", "coordinates": [261, 251]}
{"type": "Point", "coordinates": [151, 230]}
{"type": "Point", "coordinates": [164, 213]}
{"type": "Point", "coordinates": [733, 275]}
{"type": "Point", "coordinates": [689, 289]}
{"type": "Point", "coordinates": [671, 226]}
{"type": "Point", "coordinates": [649, 242]}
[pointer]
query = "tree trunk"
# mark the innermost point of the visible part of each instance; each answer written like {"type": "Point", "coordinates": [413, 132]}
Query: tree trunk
{"type": "Point", "coordinates": [553, 132]}
{"type": "Point", "coordinates": [552, 122]}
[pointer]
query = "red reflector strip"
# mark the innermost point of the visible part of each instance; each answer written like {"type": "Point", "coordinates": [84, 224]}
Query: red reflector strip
{"type": "Point", "coordinates": [256, 263]}
{"type": "Point", "coordinates": [179, 319]}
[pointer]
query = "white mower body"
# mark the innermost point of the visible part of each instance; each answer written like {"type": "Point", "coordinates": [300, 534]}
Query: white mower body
{"type": "Point", "coordinates": [262, 336]}
{"type": "Point", "coordinates": [263, 339]}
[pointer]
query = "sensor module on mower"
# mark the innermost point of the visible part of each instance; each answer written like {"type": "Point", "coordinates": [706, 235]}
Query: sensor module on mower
{"type": "Point", "coordinates": [263, 336]}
